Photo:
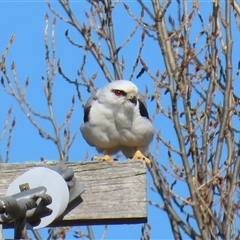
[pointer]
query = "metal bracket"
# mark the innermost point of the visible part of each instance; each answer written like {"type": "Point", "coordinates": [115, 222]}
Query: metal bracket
{"type": "Point", "coordinates": [30, 204]}
{"type": "Point", "coordinates": [75, 188]}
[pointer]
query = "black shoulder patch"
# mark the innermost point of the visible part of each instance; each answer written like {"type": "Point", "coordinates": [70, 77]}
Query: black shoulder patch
{"type": "Point", "coordinates": [86, 114]}
{"type": "Point", "coordinates": [142, 109]}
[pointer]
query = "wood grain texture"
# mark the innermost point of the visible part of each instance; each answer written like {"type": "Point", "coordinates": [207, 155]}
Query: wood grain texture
{"type": "Point", "coordinates": [115, 192]}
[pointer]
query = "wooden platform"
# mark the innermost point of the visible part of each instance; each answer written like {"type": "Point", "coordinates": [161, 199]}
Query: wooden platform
{"type": "Point", "coordinates": [115, 193]}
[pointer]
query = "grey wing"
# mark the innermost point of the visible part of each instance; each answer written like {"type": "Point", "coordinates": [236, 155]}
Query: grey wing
{"type": "Point", "coordinates": [88, 106]}
{"type": "Point", "coordinates": [142, 105]}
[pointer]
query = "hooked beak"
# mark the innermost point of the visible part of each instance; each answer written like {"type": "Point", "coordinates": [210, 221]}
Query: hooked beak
{"type": "Point", "coordinates": [133, 99]}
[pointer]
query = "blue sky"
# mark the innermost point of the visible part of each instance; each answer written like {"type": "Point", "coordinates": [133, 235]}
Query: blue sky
{"type": "Point", "coordinates": [26, 19]}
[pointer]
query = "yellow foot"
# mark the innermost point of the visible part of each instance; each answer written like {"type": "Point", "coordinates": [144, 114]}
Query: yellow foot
{"type": "Point", "coordinates": [106, 158]}
{"type": "Point", "coordinates": [139, 155]}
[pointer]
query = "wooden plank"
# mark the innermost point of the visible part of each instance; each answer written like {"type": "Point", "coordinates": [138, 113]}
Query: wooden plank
{"type": "Point", "coordinates": [115, 192]}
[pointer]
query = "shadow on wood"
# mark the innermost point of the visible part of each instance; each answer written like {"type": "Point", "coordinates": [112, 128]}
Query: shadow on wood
{"type": "Point", "coordinates": [115, 192]}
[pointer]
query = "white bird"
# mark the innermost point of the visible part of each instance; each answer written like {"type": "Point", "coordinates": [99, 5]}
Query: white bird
{"type": "Point", "coordinates": [115, 119]}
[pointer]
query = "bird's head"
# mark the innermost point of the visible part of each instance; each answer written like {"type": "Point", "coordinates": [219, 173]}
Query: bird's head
{"type": "Point", "coordinates": [119, 92]}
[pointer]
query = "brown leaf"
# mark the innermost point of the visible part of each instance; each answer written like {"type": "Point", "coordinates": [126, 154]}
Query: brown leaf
{"type": "Point", "coordinates": [94, 76]}
{"type": "Point", "coordinates": [10, 110]}
{"type": "Point", "coordinates": [141, 72]}
{"type": "Point", "coordinates": [143, 36]}
{"type": "Point", "coordinates": [86, 14]}
{"type": "Point", "coordinates": [69, 114]}
{"type": "Point", "coordinates": [126, 6]}
{"type": "Point", "coordinates": [13, 65]}
{"type": "Point", "coordinates": [146, 89]}
{"type": "Point", "coordinates": [197, 68]}
{"type": "Point", "coordinates": [211, 135]}
{"type": "Point", "coordinates": [164, 75]}
{"type": "Point", "coordinates": [91, 83]}
{"type": "Point", "coordinates": [59, 70]}
{"type": "Point", "coordinates": [27, 81]}
{"type": "Point", "coordinates": [12, 38]}
{"type": "Point", "coordinates": [14, 122]}
{"type": "Point", "coordinates": [2, 81]}
{"type": "Point", "coordinates": [142, 62]}
{"type": "Point", "coordinates": [191, 15]}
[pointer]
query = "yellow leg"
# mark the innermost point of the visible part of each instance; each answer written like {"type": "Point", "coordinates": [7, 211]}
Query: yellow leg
{"type": "Point", "coordinates": [139, 155]}
{"type": "Point", "coordinates": [106, 158]}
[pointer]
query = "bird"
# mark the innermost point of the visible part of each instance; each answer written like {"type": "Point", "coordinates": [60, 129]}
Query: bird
{"type": "Point", "coordinates": [116, 119]}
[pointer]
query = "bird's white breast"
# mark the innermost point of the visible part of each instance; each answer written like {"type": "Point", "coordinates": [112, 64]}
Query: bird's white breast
{"type": "Point", "coordinates": [134, 130]}
{"type": "Point", "coordinates": [100, 131]}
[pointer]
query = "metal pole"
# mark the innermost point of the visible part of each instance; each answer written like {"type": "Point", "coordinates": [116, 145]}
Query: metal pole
{"type": "Point", "coordinates": [1, 236]}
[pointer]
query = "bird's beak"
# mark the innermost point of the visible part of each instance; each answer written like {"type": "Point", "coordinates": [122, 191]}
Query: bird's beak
{"type": "Point", "coordinates": [133, 99]}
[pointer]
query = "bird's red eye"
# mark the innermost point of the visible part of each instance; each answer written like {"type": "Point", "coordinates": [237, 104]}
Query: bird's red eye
{"type": "Point", "coordinates": [119, 93]}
